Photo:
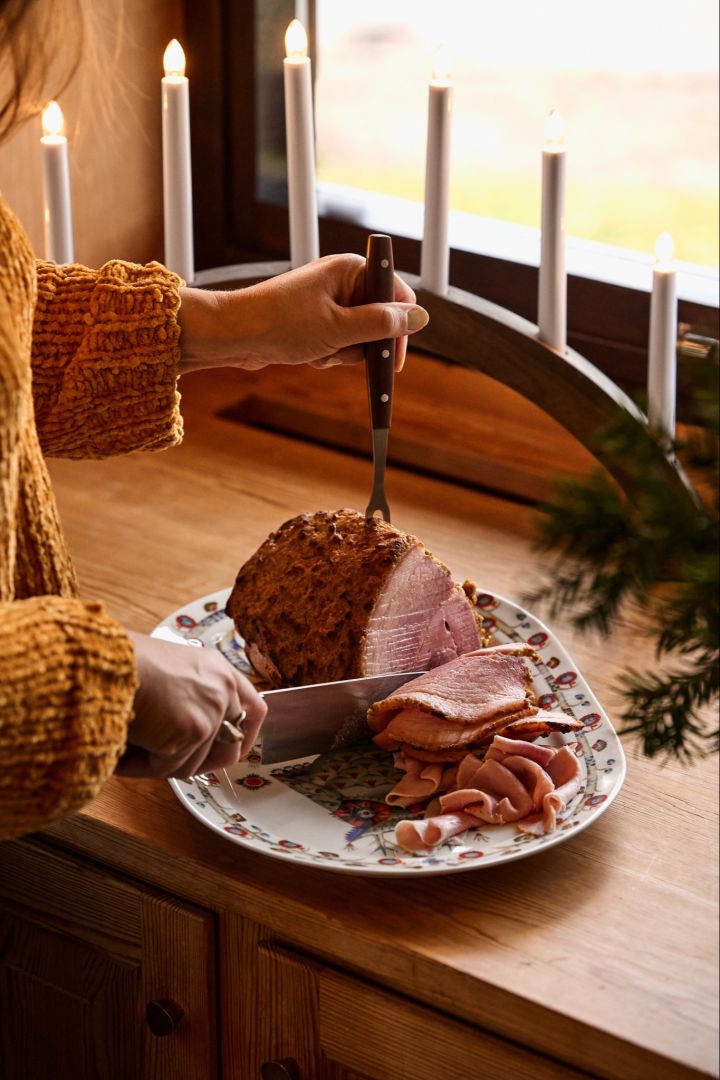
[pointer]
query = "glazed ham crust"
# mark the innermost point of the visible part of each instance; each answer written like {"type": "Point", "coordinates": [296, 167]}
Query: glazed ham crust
{"type": "Point", "coordinates": [333, 595]}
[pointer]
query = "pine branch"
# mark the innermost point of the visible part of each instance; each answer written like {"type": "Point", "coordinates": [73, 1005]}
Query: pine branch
{"type": "Point", "coordinates": [666, 712]}
{"type": "Point", "coordinates": [658, 553]}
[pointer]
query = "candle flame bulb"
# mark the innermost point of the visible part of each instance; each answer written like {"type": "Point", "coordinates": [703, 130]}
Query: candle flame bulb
{"type": "Point", "coordinates": [52, 119]}
{"type": "Point", "coordinates": [664, 248]}
{"type": "Point", "coordinates": [442, 66]}
{"type": "Point", "coordinates": [174, 60]}
{"type": "Point", "coordinates": [296, 42]}
{"type": "Point", "coordinates": [554, 130]}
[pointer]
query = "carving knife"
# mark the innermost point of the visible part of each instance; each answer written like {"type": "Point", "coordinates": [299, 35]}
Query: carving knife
{"type": "Point", "coordinates": [379, 366]}
{"type": "Point", "coordinates": [306, 720]}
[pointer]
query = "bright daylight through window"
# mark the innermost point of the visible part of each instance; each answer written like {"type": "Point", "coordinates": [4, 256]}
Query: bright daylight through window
{"type": "Point", "coordinates": [635, 80]}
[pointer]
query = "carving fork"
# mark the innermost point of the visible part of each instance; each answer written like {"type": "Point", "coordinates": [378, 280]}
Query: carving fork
{"type": "Point", "coordinates": [379, 367]}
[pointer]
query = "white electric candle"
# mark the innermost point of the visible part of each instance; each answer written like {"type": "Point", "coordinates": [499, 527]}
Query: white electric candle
{"type": "Point", "coordinates": [56, 187]}
{"type": "Point", "coordinates": [662, 348]}
{"type": "Point", "coordinates": [177, 179]}
{"type": "Point", "coordinates": [552, 280]}
{"type": "Point", "coordinates": [435, 250]}
{"type": "Point", "coordinates": [300, 136]}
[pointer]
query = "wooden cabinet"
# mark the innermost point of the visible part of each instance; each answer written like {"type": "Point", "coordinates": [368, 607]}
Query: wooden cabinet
{"type": "Point", "coordinates": [324, 1024]}
{"type": "Point", "coordinates": [100, 977]}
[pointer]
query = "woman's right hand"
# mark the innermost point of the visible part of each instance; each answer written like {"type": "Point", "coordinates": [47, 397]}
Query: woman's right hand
{"type": "Point", "coordinates": [315, 315]}
{"type": "Point", "coordinates": [184, 696]}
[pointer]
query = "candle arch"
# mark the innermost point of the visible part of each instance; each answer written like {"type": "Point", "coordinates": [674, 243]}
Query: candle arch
{"type": "Point", "coordinates": [467, 330]}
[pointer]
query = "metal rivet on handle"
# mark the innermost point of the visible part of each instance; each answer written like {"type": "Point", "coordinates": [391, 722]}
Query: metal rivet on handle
{"type": "Point", "coordinates": [384, 263]}
{"type": "Point", "coordinates": [386, 353]}
{"type": "Point", "coordinates": [384, 397]}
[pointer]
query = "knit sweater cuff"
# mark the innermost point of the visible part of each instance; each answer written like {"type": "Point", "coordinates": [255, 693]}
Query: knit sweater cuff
{"type": "Point", "coordinates": [105, 359]}
{"type": "Point", "coordinates": [67, 684]}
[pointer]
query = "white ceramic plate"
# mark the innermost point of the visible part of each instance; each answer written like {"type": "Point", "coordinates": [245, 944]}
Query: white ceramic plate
{"type": "Point", "coordinates": [330, 812]}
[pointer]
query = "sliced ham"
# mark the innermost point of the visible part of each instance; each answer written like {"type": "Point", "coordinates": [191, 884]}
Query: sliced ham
{"type": "Point", "coordinates": [541, 723]}
{"type": "Point", "coordinates": [460, 706]}
{"type": "Point", "coordinates": [432, 732]}
{"type": "Point", "coordinates": [517, 782]}
{"type": "Point", "coordinates": [421, 781]}
{"type": "Point", "coordinates": [502, 747]}
{"type": "Point", "coordinates": [427, 834]}
{"type": "Point", "coordinates": [477, 686]}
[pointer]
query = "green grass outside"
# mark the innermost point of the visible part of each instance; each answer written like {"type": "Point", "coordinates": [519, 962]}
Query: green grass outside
{"type": "Point", "coordinates": [611, 213]}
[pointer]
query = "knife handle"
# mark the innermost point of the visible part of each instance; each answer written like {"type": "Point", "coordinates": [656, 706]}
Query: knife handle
{"type": "Point", "coordinates": [380, 355]}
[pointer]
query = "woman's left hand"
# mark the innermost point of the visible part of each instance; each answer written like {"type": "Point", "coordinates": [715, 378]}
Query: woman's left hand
{"type": "Point", "coordinates": [314, 315]}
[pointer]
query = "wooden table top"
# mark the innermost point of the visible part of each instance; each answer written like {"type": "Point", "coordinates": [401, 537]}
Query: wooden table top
{"type": "Point", "coordinates": [601, 951]}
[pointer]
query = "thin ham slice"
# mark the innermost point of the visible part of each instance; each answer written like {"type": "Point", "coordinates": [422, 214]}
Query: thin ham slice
{"type": "Point", "coordinates": [432, 732]}
{"type": "Point", "coordinates": [481, 685]}
{"type": "Point", "coordinates": [427, 834]}
{"type": "Point", "coordinates": [517, 782]}
{"type": "Point", "coordinates": [420, 782]}
{"type": "Point", "coordinates": [502, 747]}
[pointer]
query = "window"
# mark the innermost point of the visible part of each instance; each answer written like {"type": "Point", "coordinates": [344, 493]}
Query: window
{"type": "Point", "coordinates": [372, 178]}
{"type": "Point", "coordinates": [637, 85]}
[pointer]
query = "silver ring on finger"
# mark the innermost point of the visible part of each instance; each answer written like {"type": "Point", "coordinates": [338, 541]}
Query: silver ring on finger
{"type": "Point", "coordinates": [231, 731]}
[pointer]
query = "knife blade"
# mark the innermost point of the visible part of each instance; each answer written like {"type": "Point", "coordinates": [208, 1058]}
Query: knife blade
{"type": "Point", "coordinates": [306, 720]}
{"type": "Point", "coordinates": [379, 366]}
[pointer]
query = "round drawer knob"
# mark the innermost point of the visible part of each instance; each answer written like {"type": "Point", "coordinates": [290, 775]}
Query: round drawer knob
{"type": "Point", "coordinates": [163, 1016]}
{"type": "Point", "coordinates": [287, 1069]}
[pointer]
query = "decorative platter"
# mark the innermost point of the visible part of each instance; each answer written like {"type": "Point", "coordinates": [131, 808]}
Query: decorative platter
{"type": "Point", "coordinates": [329, 811]}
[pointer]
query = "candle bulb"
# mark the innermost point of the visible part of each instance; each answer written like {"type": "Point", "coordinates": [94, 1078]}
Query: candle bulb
{"type": "Point", "coordinates": [552, 281]}
{"type": "Point", "coordinates": [56, 187]}
{"type": "Point", "coordinates": [435, 251]}
{"type": "Point", "coordinates": [300, 141]}
{"type": "Point", "coordinates": [177, 179]}
{"type": "Point", "coordinates": [662, 347]}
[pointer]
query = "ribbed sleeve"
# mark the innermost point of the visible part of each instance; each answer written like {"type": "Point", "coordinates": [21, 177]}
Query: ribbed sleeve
{"type": "Point", "coordinates": [105, 355]}
{"type": "Point", "coordinates": [67, 682]}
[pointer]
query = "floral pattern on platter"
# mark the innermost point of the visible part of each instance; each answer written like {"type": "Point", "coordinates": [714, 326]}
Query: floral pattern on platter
{"type": "Point", "coordinates": [330, 812]}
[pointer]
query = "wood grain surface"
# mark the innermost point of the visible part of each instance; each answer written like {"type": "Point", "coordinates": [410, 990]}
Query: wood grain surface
{"type": "Point", "coordinates": [600, 952]}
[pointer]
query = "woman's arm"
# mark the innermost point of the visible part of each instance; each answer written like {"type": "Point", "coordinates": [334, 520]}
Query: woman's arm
{"type": "Point", "coordinates": [77, 691]}
{"type": "Point", "coordinates": [108, 345]}
{"type": "Point", "coordinates": [105, 358]}
{"type": "Point", "coordinates": [67, 684]}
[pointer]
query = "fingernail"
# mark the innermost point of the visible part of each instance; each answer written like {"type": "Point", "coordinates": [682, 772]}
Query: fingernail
{"type": "Point", "coordinates": [332, 361]}
{"type": "Point", "coordinates": [417, 318]}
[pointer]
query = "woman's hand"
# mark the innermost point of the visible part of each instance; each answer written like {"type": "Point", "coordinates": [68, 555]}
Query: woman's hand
{"type": "Point", "coordinates": [313, 315]}
{"type": "Point", "coordinates": [184, 696]}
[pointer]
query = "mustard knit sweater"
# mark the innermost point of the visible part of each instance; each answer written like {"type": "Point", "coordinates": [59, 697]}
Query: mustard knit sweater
{"type": "Point", "coordinates": [88, 367]}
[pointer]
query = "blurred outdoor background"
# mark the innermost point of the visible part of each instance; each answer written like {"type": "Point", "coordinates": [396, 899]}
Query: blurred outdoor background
{"type": "Point", "coordinates": [635, 80]}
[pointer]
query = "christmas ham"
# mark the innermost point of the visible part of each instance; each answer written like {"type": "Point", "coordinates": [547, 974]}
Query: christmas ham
{"type": "Point", "coordinates": [333, 595]}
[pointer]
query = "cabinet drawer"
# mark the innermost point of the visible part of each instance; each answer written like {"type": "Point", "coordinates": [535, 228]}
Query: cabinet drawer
{"type": "Point", "coordinates": [333, 1025]}
{"type": "Point", "coordinates": [100, 977]}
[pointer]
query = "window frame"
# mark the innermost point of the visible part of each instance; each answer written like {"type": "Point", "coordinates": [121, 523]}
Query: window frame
{"type": "Point", "coordinates": [607, 323]}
